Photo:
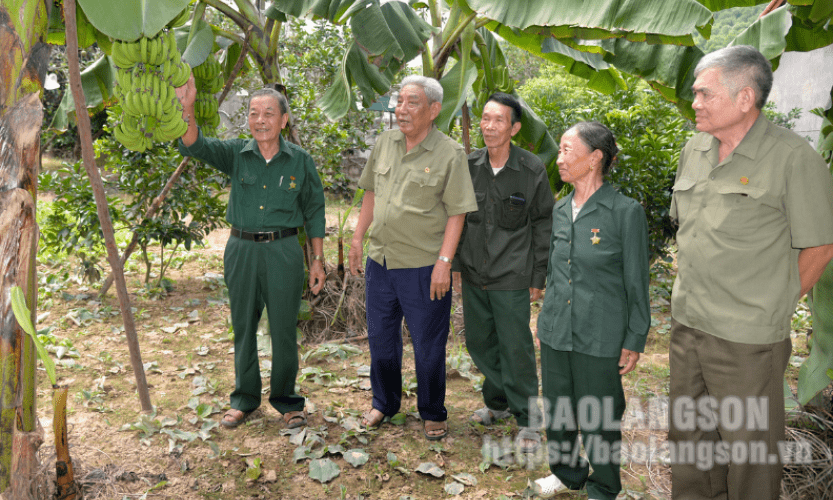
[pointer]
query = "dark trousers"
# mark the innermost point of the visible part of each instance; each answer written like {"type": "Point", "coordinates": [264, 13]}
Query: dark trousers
{"type": "Point", "coordinates": [270, 274]}
{"type": "Point", "coordinates": [703, 365]}
{"type": "Point", "coordinates": [500, 343]}
{"type": "Point", "coordinates": [590, 389]}
{"type": "Point", "coordinates": [390, 295]}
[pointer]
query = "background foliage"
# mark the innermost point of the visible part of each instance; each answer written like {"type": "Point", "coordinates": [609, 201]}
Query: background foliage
{"type": "Point", "coordinates": [309, 65]}
{"type": "Point", "coordinates": [194, 207]}
{"type": "Point", "coordinates": [727, 25]}
{"type": "Point", "coordinates": [649, 131]}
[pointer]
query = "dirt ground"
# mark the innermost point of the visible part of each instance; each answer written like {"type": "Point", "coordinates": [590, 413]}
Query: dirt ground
{"type": "Point", "coordinates": [180, 451]}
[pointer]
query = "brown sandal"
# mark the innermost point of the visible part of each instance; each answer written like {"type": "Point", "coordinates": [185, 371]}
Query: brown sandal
{"type": "Point", "coordinates": [295, 419]}
{"type": "Point", "coordinates": [432, 427]}
{"type": "Point", "coordinates": [235, 417]}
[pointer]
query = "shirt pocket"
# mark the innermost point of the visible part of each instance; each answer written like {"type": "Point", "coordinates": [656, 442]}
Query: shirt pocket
{"type": "Point", "coordinates": [381, 176]}
{"type": "Point", "coordinates": [736, 209]}
{"type": "Point", "coordinates": [514, 212]}
{"type": "Point", "coordinates": [420, 190]}
{"type": "Point", "coordinates": [286, 196]}
{"type": "Point", "coordinates": [681, 199]}
{"type": "Point", "coordinates": [248, 187]}
{"type": "Point", "coordinates": [477, 217]}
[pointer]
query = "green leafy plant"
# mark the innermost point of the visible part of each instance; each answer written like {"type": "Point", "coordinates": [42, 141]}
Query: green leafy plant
{"type": "Point", "coordinates": [193, 208]}
{"type": "Point", "coordinates": [310, 66]}
{"type": "Point", "coordinates": [23, 317]}
{"type": "Point", "coordinates": [649, 131]}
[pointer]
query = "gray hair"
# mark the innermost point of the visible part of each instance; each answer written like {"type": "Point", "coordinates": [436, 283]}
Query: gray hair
{"type": "Point", "coordinates": [595, 136]}
{"type": "Point", "coordinates": [274, 94]}
{"type": "Point", "coordinates": [740, 66]}
{"type": "Point", "coordinates": [432, 88]}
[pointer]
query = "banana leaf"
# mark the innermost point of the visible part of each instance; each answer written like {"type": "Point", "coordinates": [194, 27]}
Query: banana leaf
{"type": "Point", "coordinates": [97, 84]}
{"type": "Point", "coordinates": [767, 34]}
{"type": "Point", "coordinates": [57, 35]}
{"type": "Point", "coordinates": [667, 21]}
{"type": "Point", "coordinates": [716, 5]}
{"type": "Point", "coordinates": [813, 375]}
{"type": "Point", "coordinates": [129, 20]}
{"type": "Point", "coordinates": [458, 81]}
{"type": "Point", "coordinates": [386, 38]}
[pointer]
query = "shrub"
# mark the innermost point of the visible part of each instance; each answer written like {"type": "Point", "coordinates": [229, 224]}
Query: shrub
{"type": "Point", "coordinates": [650, 133]}
{"type": "Point", "coordinates": [193, 208]}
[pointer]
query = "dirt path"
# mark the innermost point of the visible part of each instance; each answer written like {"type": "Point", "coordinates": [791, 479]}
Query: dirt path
{"type": "Point", "coordinates": [181, 452]}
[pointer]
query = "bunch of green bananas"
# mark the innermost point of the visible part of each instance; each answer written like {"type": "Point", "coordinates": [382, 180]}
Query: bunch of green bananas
{"type": "Point", "coordinates": [503, 81]}
{"type": "Point", "coordinates": [208, 78]}
{"type": "Point", "coordinates": [180, 19]}
{"type": "Point", "coordinates": [205, 111]}
{"type": "Point", "coordinates": [149, 70]}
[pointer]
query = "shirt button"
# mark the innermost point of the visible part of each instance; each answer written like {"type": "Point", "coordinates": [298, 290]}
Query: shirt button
{"type": "Point", "coordinates": [568, 301]}
{"type": "Point", "coordinates": [264, 186]}
{"type": "Point", "coordinates": [712, 177]}
{"type": "Point", "coordinates": [568, 260]}
{"type": "Point", "coordinates": [570, 242]}
{"type": "Point", "coordinates": [261, 207]}
{"type": "Point", "coordinates": [570, 281]}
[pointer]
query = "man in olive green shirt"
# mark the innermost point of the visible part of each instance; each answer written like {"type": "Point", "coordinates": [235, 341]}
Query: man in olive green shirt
{"type": "Point", "coordinates": [418, 191]}
{"type": "Point", "coordinates": [274, 190]}
{"type": "Point", "coordinates": [755, 209]}
{"type": "Point", "coordinates": [502, 259]}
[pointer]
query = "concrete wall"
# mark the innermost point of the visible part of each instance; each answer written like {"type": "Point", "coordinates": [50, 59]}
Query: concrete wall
{"type": "Point", "coordinates": [803, 80]}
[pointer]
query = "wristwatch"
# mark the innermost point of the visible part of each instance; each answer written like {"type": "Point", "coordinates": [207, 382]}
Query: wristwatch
{"type": "Point", "coordinates": [318, 257]}
{"type": "Point", "coordinates": [444, 259]}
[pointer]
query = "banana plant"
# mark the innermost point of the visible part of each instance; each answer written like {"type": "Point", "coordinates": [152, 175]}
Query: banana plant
{"type": "Point", "coordinates": [454, 48]}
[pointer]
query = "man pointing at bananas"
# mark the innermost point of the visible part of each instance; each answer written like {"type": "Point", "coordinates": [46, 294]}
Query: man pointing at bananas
{"type": "Point", "coordinates": [274, 190]}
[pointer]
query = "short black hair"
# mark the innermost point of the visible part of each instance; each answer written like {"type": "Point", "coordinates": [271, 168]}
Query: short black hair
{"type": "Point", "coordinates": [595, 136]}
{"type": "Point", "coordinates": [508, 100]}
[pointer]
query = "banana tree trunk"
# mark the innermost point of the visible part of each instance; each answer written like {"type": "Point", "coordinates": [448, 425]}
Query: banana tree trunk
{"type": "Point", "coordinates": [23, 66]}
{"type": "Point", "coordinates": [65, 477]}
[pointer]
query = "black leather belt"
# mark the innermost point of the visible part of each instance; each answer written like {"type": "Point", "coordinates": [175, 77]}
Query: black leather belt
{"type": "Point", "coordinates": [260, 237]}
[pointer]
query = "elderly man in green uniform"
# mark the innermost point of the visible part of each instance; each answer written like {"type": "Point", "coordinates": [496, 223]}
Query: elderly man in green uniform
{"type": "Point", "coordinates": [418, 192]}
{"type": "Point", "coordinates": [502, 260]}
{"type": "Point", "coordinates": [274, 190]}
{"type": "Point", "coordinates": [755, 209]}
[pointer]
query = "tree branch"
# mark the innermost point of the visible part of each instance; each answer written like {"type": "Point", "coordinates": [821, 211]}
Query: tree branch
{"type": "Point", "coordinates": [83, 122]}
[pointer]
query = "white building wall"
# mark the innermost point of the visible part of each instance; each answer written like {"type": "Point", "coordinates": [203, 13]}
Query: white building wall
{"type": "Point", "coordinates": [803, 80]}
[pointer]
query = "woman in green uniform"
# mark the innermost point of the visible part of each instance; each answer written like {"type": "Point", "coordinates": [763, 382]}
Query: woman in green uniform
{"type": "Point", "coordinates": [595, 316]}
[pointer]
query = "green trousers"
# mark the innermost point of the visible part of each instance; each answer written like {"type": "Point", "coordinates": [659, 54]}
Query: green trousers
{"type": "Point", "coordinates": [270, 274]}
{"type": "Point", "coordinates": [746, 384]}
{"type": "Point", "coordinates": [584, 392]}
{"type": "Point", "coordinates": [500, 344]}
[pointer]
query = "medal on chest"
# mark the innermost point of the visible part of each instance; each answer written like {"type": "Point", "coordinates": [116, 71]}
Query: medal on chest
{"type": "Point", "coordinates": [595, 238]}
